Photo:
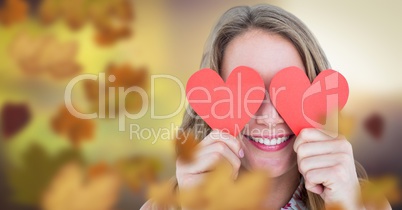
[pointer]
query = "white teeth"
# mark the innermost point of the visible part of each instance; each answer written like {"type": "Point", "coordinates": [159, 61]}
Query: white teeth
{"type": "Point", "coordinates": [271, 142]}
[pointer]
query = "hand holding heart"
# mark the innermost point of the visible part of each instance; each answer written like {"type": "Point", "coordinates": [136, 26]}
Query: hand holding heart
{"type": "Point", "coordinates": [324, 159]}
{"type": "Point", "coordinates": [328, 167]}
{"type": "Point", "coordinates": [215, 148]}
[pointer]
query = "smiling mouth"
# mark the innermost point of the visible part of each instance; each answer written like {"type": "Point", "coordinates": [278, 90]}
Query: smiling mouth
{"type": "Point", "coordinates": [269, 141]}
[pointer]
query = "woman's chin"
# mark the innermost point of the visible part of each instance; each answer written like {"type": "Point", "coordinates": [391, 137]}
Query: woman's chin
{"type": "Point", "coordinates": [275, 163]}
{"type": "Point", "coordinates": [274, 168]}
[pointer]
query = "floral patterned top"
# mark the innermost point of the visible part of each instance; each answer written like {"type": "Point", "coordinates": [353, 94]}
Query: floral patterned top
{"type": "Point", "coordinates": [296, 202]}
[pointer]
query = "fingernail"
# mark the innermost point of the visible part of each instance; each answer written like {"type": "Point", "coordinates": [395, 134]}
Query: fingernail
{"type": "Point", "coordinates": [241, 153]}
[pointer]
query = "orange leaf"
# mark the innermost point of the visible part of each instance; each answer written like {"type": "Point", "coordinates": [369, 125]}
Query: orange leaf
{"type": "Point", "coordinates": [13, 11]}
{"type": "Point", "coordinates": [76, 129]}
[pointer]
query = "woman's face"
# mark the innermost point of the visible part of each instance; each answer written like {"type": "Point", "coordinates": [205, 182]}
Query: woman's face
{"type": "Point", "coordinates": [267, 140]}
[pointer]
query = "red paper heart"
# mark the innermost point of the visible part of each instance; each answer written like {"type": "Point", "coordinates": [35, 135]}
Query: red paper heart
{"type": "Point", "coordinates": [226, 106]}
{"type": "Point", "coordinates": [303, 104]}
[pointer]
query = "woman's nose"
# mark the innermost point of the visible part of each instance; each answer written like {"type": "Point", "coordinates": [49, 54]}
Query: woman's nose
{"type": "Point", "coordinates": [267, 114]}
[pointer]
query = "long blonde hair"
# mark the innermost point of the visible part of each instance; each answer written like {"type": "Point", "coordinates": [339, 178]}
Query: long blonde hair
{"type": "Point", "coordinates": [272, 19]}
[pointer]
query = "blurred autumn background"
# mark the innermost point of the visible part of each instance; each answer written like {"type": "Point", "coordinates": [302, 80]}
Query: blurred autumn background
{"type": "Point", "coordinates": [52, 160]}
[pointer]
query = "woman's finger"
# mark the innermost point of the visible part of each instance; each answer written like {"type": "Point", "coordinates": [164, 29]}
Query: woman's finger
{"type": "Point", "coordinates": [208, 157]}
{"type": "Point", "coordinates": [331, 177]}
{"type": "Point", "coordinates": [324, 147]}
{"type": "Point", "coordinates": [322, 161]}
{"type": "Point", "coordinates": [313, 135]}
{"type": "Point", "coordinates": [315, 188]}
{"type": "Point", "coordinates": [229, 140]}
{"type": "Point", "coordinates": [223, 149]}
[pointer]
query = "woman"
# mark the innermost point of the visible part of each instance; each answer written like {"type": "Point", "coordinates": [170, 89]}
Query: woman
{"type": "Point", "coordinates": [314, 165]}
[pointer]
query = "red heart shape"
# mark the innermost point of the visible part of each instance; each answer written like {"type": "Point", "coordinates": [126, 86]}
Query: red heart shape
{"type": "Point", "coordinates": [226, 106]}
{"type": "Point", "coordinates": [303, 104]}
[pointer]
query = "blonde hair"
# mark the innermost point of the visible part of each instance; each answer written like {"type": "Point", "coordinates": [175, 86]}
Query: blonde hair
{"type": "Point", "coordinates": [272, 19]}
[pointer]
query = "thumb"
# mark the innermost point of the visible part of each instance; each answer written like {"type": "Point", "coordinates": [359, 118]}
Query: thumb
{"type": "Point", "coordinates": [314, 188]}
